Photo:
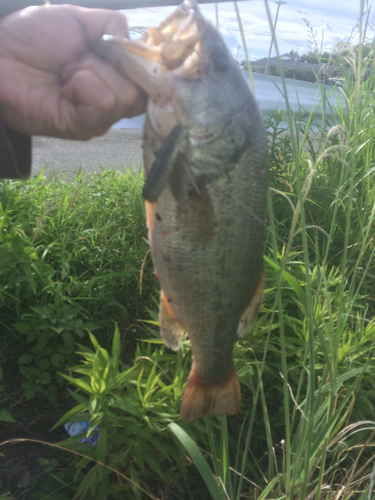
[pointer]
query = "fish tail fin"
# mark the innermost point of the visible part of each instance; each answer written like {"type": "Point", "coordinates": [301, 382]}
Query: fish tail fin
{"type": "Point", "coordinates": [250, 314]}
{"type": "Point", "coordinates": [201, 399]}
{"type": "Point", "coordinates": [170, 330]}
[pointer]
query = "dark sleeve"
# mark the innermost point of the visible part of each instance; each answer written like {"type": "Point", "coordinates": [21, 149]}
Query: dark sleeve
{"type": "Point", "coordinates": [15, 154]}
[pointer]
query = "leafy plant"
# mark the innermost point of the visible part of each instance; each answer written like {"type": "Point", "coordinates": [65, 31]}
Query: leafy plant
{"type": "Point", "coordinates": [4, 414]}
{"type": "Point", "coordinates": [51, 330]}
{"type": "Point", "coordinates": [133, 408]}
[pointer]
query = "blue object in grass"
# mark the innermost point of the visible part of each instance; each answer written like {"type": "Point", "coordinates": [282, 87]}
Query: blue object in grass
{"type": "Point", "coordinates": [76, 428]}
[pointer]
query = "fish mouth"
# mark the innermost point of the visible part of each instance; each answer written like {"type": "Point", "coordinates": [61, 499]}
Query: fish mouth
{"type": "Point", "coordinates": [178, 36]}
{"type": "Point", "coordinates": [173, 46]}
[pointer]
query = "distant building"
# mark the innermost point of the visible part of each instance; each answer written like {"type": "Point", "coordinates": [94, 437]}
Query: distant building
{"type": "Point", "coordinates": [294, 68]}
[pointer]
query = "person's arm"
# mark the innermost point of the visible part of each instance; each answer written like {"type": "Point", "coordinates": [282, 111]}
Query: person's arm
{"type": "Point", "coordinates": [15, 154]}
{"type": "Point", "coordinates": [15, 150]}
{"type": "Point", "coordinates": [53, 83]}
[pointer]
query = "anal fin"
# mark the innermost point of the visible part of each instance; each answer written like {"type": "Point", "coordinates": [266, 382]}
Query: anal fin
{"type": "Point", "coordinates": [170, 330]}
{"type": "Point", "coordinates": [250, 314]}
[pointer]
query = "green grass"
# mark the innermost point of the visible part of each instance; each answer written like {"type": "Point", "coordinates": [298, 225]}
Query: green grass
{"type": "Point", "coordinates": [71, 256]}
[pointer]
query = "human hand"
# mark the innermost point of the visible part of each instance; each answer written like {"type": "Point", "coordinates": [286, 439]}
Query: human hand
{"type": "Point", "coordinates": [52, 82]}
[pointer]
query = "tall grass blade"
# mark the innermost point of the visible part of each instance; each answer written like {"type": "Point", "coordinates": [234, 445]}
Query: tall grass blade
{"type": "Point", "coordinates": [199, 460]}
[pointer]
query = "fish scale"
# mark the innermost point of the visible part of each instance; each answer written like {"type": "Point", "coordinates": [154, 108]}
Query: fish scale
{"type": "Point", "coordinates": [206, 169]}
{"type": "Point", "coordinates": [210, 282]}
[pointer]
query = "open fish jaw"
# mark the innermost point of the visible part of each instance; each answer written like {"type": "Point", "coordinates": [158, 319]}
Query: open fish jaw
{"type": "Point", "coordinates": [206, 165]}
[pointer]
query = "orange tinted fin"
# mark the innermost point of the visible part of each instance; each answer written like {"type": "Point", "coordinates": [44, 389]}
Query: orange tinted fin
{"type": "Point", "coordinates": [250, 314]}
{"type": "Point", "coordinates": [150, 216]}
{"type": "Point", "coordinates": [171, 332]}
{"type": "Point", "coordinates": [202, 399]}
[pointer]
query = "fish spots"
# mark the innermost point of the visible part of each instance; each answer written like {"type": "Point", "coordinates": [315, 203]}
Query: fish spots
{"type": "Point", "coordinates": [166, 258]}
{"type": "Point", "coordinates": [169, 300]}
{"type": "Point", "coordinates": [158, 216]}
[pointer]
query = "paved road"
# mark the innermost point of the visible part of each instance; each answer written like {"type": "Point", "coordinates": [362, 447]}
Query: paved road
{"type": "Point", "coordinates": [119, 148]}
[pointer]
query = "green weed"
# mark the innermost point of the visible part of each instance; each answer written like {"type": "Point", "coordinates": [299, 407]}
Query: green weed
{"type": "Point", "coordinates": [133, 407]}
{"type": "Point", "coordinates": [70, 256]}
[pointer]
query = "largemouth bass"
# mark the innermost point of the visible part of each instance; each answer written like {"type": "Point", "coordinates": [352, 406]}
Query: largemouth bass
{"type": "Point", "coordinates": [206, 168]}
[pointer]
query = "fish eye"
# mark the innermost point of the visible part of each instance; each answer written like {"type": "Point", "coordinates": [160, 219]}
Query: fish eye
{"type": "Point", "coordinates": [220, 60]}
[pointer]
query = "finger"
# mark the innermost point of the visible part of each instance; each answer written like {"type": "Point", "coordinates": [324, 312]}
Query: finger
{"type": "Point", "coordinates": [131, 100]}
{"type": "Point", "coordinates": [97, 22]}
{"type": "Point", "coordinates": [91, 106]}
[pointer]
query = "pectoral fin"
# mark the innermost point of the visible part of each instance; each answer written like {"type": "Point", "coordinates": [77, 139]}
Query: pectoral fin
{"type": "Point", "coordinates": [150, 215]}
{"type": "Point", "coordinates": [170, 330]}
{"type": "Point", "coordinates": [250, 314]}
{"type": "Point", "coordinates": [164, 163]}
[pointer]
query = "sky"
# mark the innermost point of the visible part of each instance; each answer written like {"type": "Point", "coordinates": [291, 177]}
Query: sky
{"type": "Point", "coordinates": [331, 21]}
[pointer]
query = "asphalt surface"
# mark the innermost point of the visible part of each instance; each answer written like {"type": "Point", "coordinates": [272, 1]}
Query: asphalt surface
{"type": "Point", "coordinates": [117, 149]}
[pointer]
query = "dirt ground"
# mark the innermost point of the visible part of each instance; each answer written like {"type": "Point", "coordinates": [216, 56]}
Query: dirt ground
{"type": "Point", "coordinates": [21, 459]}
